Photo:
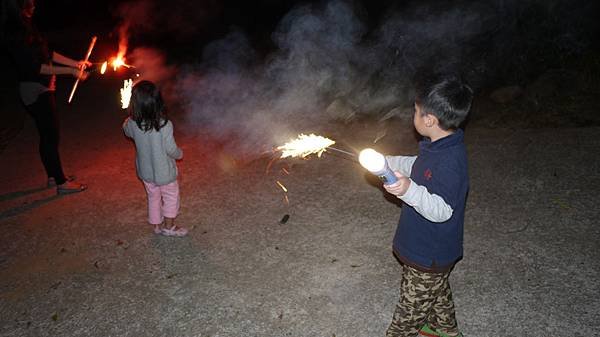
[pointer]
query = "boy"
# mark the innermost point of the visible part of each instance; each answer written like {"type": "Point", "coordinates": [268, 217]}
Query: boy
{"type": "Point", "coordinates": [433, 187]}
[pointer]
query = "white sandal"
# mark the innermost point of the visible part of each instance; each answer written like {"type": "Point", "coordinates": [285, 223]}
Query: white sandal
{"type": "Point", "coordinates": [174, 231]}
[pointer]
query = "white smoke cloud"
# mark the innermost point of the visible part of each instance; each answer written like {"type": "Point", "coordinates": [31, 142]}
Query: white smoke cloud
{"type": "Point", "coordinates": [330, 63]}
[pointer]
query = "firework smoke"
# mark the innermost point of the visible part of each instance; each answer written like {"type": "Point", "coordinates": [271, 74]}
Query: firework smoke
{"type": "Point", "coordinates": [332, 61]}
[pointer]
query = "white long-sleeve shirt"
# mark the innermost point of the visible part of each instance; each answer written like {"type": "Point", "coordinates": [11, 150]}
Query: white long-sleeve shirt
{"type": "Point", "coordinates": [431, 206]}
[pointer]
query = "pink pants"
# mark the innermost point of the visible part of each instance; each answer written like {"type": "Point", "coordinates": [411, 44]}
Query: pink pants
{"type": "Point", "coordinates": [163, 201]}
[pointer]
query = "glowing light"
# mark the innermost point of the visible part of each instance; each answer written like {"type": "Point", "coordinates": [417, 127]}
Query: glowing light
{"type": "Point", "coordinates": [103, 67]}
{"type": "Point", "coordinates": [117, 63]}
{"type": "Point", "coordinates": [371, 160]}
{"type": "Point", "coordinates": [305, 145]}
{"type": "Point", "coordinates": [126, 93]}
{"type": "Point", "coordinates": [375, 162]}
{"type": "Point", "coordinates": [282, 187]}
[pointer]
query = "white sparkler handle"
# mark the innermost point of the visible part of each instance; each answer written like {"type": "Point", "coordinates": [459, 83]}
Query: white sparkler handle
{"type": "Point", "coordinates": [87, 57]}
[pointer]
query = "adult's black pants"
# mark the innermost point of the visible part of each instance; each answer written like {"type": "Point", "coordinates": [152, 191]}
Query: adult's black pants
{"type": "Point", "coordinates": [45, 115]}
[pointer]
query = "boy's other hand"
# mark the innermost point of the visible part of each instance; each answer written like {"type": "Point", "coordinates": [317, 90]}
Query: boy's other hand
{"type": "Point", "coordinates": [399, 187]}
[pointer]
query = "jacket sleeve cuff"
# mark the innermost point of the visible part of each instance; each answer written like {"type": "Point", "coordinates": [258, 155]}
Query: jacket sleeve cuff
{"type": "Point", "coordinates": [410, 196]}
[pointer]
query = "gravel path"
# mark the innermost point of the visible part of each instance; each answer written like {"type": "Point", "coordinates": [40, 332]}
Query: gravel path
{"type": "Point", "coordinates": [88, 265]}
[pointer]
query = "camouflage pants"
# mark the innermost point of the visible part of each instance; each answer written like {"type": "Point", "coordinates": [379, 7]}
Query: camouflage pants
{"type": "Point", "coordinates": [424, 298]}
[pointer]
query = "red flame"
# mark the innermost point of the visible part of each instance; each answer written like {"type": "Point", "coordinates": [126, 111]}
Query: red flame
{"type": "Point", "coordinates": [118, 61]}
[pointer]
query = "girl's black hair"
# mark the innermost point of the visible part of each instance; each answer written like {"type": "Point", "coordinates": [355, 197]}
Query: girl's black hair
{"type": "Point", "coordinates": [146, 106]}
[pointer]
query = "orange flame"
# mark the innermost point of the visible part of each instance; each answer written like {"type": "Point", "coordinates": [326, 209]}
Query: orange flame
{"type": "Point", "coordinates": [118, 61]}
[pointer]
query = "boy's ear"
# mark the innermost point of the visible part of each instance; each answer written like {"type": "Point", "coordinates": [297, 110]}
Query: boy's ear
{"type": "Point", "coordinates": [430, 120]}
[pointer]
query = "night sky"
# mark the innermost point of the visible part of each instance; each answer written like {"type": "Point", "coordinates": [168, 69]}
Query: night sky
{"type": "Point", "coordinates": [239, 66]}
{"type": "Point", "coordinates": [181, 29]}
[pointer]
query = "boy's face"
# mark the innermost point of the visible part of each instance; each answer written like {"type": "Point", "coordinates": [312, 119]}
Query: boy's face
{"type": "Point", "coordinates": [422, 122]}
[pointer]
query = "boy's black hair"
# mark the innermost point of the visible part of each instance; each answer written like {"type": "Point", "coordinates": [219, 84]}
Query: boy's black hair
{"type": "Point", "coordinates": [448, 99]}
{"type": "Point", "coordinates": [146, 106]}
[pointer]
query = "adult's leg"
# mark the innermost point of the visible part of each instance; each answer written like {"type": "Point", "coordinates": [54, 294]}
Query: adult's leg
{"type": "Point", "coordinates": [45, 116]}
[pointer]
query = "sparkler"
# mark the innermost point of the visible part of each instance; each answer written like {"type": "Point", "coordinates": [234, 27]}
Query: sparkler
{"type": "Point", "coordinates": [87, 57]}
{"type": "Point", "coordinates": [375, 163]}
{"type": "Point", "coordinates": [118, 62]}
{"type": "Point", "coordinates": [305, 145]}
{"type": "Point", "coordinates": [126, 93]}
{"type": "Point", "coordinates": [282, 187]}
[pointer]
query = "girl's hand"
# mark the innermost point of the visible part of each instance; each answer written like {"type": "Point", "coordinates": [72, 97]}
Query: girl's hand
{"type": "Point", "coordinates": [400, 187]}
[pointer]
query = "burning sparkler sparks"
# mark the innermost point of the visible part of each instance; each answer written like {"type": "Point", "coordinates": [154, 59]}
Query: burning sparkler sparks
{"type": "Point", "coordinates": [305, 145]}
{"type": "Point", "coordinates": [116, 63]}
{"type": "Point", "coordinates": [119, 62]}
{"type": "Point", "coordinates": [126, 93]}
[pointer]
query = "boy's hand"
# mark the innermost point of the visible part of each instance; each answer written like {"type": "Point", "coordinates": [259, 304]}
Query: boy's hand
{"type": "Point", "coordinates": [400, 187]}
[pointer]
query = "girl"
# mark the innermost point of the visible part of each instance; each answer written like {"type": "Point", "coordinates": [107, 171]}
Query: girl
{"type": "Point", "coordinates": [156, 152]}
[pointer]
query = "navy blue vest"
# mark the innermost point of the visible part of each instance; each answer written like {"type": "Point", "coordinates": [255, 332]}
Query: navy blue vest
{"type": "Point", "coordinates": [441, 167]}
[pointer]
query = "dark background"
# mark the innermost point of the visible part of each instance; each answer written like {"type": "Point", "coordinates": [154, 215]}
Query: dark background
{"type": "Point", "coordinates": [534, 35]}
{"type": "Point", "coordinates": [532, 63]}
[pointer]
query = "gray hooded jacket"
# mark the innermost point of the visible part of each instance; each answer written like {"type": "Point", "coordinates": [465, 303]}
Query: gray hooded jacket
{"type": "Point", "coordinates": [156, 152]}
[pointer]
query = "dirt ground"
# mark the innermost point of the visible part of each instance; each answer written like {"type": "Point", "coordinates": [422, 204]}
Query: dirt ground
{"type": "Point", "coordinates": [88, 264]}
